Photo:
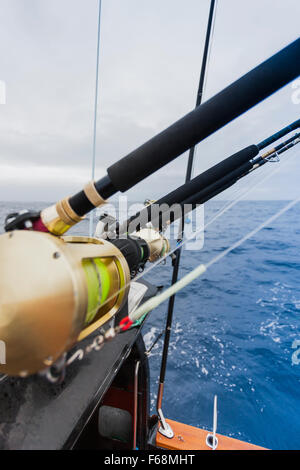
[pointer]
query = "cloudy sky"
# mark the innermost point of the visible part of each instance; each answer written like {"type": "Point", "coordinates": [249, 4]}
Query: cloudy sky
{"type": "Point", "coordinates": [149, 69]}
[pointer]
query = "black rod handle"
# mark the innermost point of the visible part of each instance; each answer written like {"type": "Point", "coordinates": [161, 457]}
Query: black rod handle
{"type": "Point", "coordinates": [231, 102]}
{"type": "Point", "coordinates": [234, 100]}
{"type": "Point", "coordinates": [193, 186]}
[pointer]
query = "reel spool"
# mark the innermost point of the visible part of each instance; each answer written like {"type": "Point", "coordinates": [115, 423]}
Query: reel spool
{"type": "Point", "coordinates": [54, 292]}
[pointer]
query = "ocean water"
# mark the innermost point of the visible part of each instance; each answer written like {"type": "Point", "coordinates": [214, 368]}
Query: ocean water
{"type": "Point", "coordinates": [234, 328]}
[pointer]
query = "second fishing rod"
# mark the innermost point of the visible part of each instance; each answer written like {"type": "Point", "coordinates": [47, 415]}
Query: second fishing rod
{"type": "Point", "coordinates": [233, 177]}
{"type": "Point", "coordinates": [209, 183]}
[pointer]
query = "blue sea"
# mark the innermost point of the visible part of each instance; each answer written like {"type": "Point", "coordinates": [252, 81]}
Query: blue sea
{"type": "Point", "coordinates": [234, 328]}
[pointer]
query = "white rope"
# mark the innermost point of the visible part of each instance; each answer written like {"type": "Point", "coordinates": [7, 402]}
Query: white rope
{"type": "Point", "coordinates": [201, 269]}
{"type": "Point", "coordinates": [95, 113]}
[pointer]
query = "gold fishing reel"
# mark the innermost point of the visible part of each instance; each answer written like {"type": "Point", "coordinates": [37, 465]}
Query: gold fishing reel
{"type": "Point", "coordinates": [54, 292]}
{"type": "Point", "coordinates": [158, 244]}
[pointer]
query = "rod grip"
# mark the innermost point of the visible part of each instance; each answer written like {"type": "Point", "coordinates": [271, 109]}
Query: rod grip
{"type": "Point", "coordinates": [199, 183]}
{"type": "Point", "coordinates": [231, 102]}
{"type": "Point", "coordinates": [210, 176]}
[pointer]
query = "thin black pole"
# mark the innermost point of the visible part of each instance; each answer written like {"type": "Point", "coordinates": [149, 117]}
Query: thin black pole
{"type": "Point", "coordinates": [177, 253]}
{"type": "Point", "coordinates": [201, 83]}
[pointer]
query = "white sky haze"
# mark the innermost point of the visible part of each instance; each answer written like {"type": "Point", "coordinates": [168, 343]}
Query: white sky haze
{"type": "Point", "coordinates": [150, 59]}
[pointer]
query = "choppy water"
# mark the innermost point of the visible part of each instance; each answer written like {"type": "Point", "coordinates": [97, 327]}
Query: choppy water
{"type": "Point", "coordinates": [234, 328]}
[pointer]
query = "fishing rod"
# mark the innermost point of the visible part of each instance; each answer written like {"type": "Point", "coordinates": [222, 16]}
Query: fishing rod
{"type": "Point", "coordinates": [165, 428]}
{"type": "Point", "coordinates": [286, 147]}
{"type": "Point", "coordinates": [211, 15]}
{"type": "Point", "coordinates": [154, 302]}
{"type": "Point", "coordinates": [204, 184]}
{"type": "Point", "coordinates": [203, 121]}
{"type": "Point", "coordinates": [55, 291]}
{"type": "Point", "coordinates": [136, 317]}
{"type": "Point", "coordinates": [229, 180]}
{"type": "Point", "coordinates": [82, 284]}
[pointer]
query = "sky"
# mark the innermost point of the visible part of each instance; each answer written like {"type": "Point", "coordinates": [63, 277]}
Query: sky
{"type": "Point", "coordinates": [150, 56]}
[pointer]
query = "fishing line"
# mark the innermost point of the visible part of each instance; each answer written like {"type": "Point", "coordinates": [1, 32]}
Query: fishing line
{"type": "Point", "coordinates": [219, 214]}
{"type": "Point", "coordinates": [95, 111]}
{"type": "Point", "coordinates": [140, 313]}
{"type": "Point", "coordinates": [202, 268]}
{"type": "Point", "coordinates": [203, 227]}
{"type": "Point", "coordinates": [154, 302]}
{"type": "Point", "coordinates": [155, 342]}
{"type": "Point", "coordinates": [180, 237]}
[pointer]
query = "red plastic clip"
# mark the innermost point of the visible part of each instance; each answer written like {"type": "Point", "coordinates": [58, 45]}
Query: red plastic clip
{"type": "Point", "coordinates": [38, 226]}
{"type": "Point", "coordinates": [125, 324]}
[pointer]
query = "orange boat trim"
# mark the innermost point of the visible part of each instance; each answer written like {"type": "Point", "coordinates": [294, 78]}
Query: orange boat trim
{"type": "Point", "coordinates": [190, 438]}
